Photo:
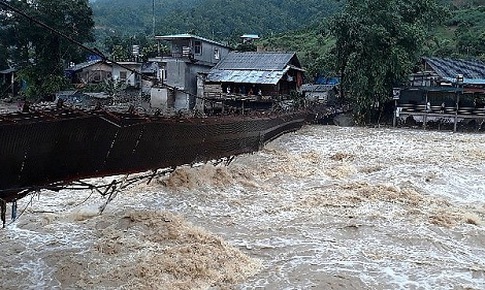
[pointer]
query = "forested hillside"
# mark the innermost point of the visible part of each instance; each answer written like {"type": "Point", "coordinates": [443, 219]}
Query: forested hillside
{"type": "Point", "coordinates": [128, 17]}
{"type": "Point", "coordinates": [216, 19]}
{"type": "Point", "coordinates": [463, 33]}
{"type": "Point", "coordinates": [292, 25]}
{"type": "Point", "coordinates": [460, 35]}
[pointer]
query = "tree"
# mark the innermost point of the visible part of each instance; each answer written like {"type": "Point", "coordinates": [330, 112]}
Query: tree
{"type": "Point", "coordinates": [378, 42]}
{"type": "Point", "coordinates": [220, 20]}
{"type": "Point", "coordinates": [468, 37]}
{"type": "Point", "coordinates": [3, 55]}
{"type": "Point", "coordinates": [120, 48]}
{"type": "Point", "coordinates": [40, 54]}
{"type": "Point", "coordinates": [4, 35]}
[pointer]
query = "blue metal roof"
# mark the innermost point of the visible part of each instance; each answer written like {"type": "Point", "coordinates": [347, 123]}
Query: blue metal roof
{"type": "Point", "coordinates": [467, 81]}
{"type": "Point", "coordinates": [472, 71]}
{"type": "Point", "coordinates": [253, 67]}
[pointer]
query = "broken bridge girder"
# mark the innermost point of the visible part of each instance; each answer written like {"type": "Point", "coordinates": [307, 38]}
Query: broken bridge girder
{"type": "Point", "coordinates": [109, 190]}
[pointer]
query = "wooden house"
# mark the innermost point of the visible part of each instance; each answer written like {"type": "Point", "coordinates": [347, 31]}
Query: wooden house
{"type": "Point", "coordinates": [127, 74]}
{"type": "Point", "coordinates": [264, 74]}
{"type": "Point", "coordinates": [443, 90]}
{"type": "Point", "coordinates": [90, 72]}
{"type": "Point", "coordinates": [97, 71]}
{"type": "Point", "coordinates": [322, 93]}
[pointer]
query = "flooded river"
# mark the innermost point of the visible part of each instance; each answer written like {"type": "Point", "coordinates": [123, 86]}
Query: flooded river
{"type": "Point", "coordinates": [321, 208]}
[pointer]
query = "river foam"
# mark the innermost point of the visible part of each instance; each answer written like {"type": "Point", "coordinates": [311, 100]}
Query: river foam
{"type": "Point", "coordinates": [324, 208]}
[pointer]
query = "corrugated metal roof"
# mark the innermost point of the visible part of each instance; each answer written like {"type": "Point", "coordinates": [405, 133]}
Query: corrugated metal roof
{"type": "Point", "coordinates": [8, 71]}
{"type": "Point", "coordinates": [467, 81]}
{"type": "Point", "coordinates": [189, 36]}
{"type": "Point", "coordinates": [252, 36]}
{"type": "Point", "coordinates": [83, 65]}
{"type": "Point", "coordinates": [472, 71]}
{"type": "Point", "coordinates": [149, 67]}
{"type": "Point", "coordinates": [246, 76]}
{"type": "Point", "coordinates": [255, 61]}
{"type": "Point", "coordinates": [316, 88]}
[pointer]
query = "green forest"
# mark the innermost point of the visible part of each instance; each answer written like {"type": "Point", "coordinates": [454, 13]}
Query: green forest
{"type": "Point", "coordinates": [287, 25]}
{"type": "Point", "coordinates": [223, 20]}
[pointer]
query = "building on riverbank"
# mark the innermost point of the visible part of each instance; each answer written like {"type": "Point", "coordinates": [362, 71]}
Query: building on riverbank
{"type": "Point", "coordinates": [444, 92]}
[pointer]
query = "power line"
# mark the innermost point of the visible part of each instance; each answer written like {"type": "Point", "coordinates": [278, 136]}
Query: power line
{"type": "Point", "coordinates": [20, 12]}
{"type": "Point", "coordinates": [70, 39]}
{"type": "Point", "coordinates": [153, 17]}
{"type": "Point", "coordinates": [92, 50]}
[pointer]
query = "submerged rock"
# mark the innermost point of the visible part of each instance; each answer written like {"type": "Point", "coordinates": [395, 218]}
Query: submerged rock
{"type": "Point", "coordinates": [344, 120]}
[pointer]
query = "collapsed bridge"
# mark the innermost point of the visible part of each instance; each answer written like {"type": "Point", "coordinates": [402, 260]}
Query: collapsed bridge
{"type": "Point", "coordinates": [38, 149]}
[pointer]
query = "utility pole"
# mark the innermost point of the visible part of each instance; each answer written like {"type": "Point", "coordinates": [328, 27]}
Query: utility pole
{"type": "Point", "coordinates": [153, 17]}
{"type": "Point", "coordinates": [12, 83]}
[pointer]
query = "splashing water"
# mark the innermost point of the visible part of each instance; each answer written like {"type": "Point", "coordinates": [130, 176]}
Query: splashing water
{"type": "Point", "coordinates": [323, 208]}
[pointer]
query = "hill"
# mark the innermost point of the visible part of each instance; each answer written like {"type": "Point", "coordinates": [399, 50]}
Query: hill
{"type": "Point", "coordinates": [286, 25]}
{"type": "Point", "coordinates": [222, 20]}
{"type": "Point", "coordinates": [461, 35]}
{"type": "Point", "coordinates": [128, 17]}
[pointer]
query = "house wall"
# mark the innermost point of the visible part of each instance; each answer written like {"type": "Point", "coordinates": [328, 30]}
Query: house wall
{"type": "Point", "coordinates": [215, 89]}
{"type": "Point", "coordinates": [193, 71]}
{"type": "Point", "coordinates": [285, 87]}
{"type": "Point", "coordinates": [199, 102]}
{"type": "Point", "coordinates": [212, 53]}
{"type": "Point", "coordinates": [176, 73]}
{"type": "Point", "coordinates": [209, 52]}
{"type": "Point", "coordinates": [125, 76]}
{"type": "Point", "coordinates": [168, 101]}
{"type": "Point", "coordinates": [94, 74]}
{"type": "Point", "coordinates": [183, 75]}
{"type": "Point", "coordinates": [426, 79]}
{"type": "Point", "coordinates": [182, 101]}
{"type": "Point", "coordinates": [187, 62]}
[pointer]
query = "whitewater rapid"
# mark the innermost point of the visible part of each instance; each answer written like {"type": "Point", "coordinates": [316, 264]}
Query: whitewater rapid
{"type": "Point", "coordinates": [322, 208]}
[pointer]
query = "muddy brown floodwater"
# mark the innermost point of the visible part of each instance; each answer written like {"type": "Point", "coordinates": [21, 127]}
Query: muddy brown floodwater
{"type": "Point", "coordinates": [322, 208]}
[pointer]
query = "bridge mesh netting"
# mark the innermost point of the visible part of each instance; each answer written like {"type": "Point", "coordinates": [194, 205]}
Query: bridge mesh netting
{"type": "Point", "coordinates": [36, 151]}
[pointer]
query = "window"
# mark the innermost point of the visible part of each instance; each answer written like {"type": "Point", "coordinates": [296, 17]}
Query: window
{"type": "Point", "coordinates": [185, 51]}
{"type": "Point", "coordinates": [217, 54]}
{"type": "Point", "coordinates": [163, 74]}
{"type": "Point", "coordinates": [197, 47]}
{"type": "Point", "coordinates": [122, 76]}
{"type": "Point", "coordinates": [97, 76]}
